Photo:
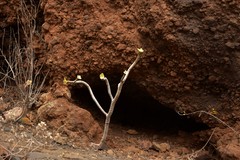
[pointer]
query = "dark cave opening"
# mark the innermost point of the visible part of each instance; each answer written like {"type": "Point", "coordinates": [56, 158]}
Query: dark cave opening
{"type": "Point", "coordinates": [135, 108]}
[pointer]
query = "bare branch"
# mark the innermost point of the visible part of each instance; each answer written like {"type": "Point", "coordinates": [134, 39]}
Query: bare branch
{"type": "Point", "coordinates": [108, 88]}
{"type": "Point", "coordinates": [91, 93]}
{"type": "Point", "coordinates": [210, 114]}
{"type": "Point", "coordinates": [113, 99]}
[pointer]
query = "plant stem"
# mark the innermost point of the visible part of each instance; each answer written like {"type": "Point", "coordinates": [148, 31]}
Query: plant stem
{"type": "Point", "coordinates": [91, 93]}
{"type": "Point", "coordinates": [113, 99]}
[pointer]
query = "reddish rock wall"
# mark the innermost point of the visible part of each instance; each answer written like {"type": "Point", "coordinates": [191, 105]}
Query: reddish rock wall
{"type": "Point", "coordinates": [191, 59]}
{"type": "Point", "coordinates": [192, 48]}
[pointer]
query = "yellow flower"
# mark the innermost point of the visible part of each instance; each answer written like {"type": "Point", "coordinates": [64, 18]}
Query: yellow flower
{"type": "Point", "coordinates": [28, 83]}
{"type": "Point", "coordinates": [213, 111]}
{"type": "Point", "coordinates": [102, 76]}
{"type": "Point", "coordinates": [140, 50]}
{"type": "Point", "coordinates": [65, 81]}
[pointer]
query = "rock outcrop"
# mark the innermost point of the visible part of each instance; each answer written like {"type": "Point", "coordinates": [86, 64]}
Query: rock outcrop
{"type": "Point", "coordinates": [191, 59]}
{"type": "Point", "coordinates": [192, 48]}
{"type": "Point", "coordinates": [70, 119]}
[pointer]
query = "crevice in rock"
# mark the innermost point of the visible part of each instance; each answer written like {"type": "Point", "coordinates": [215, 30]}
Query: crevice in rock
{"type": "Point", "coordinates": [135, 109]}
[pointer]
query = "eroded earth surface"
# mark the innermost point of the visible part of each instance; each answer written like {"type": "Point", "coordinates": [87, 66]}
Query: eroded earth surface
{"type": "Point", "coordinates": [190, 63]}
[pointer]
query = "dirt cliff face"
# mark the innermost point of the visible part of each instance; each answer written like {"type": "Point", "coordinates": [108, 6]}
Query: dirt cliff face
{"type": "Point", "coordinates": [196, 46]}
{"type": "Point", "coordinates": [191, 59]}
{"type": "Point", "coordinates": [192, 50]}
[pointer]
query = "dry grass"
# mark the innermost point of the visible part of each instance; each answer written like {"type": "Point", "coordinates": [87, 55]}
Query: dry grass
{"type": "Point", "coordinates": [20, 75]}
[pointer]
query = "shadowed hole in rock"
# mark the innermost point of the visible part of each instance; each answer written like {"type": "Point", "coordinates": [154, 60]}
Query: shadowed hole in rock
{"type": "Point", "coordinates": [135, 108]}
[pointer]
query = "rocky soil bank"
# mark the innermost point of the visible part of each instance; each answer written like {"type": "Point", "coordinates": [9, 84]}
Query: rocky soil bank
{"type": "Point", "coordinates": [191, 60]}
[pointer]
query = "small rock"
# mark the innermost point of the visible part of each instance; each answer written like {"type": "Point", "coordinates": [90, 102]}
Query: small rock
{"type": "Point", "coordinates": [21, 127]}
{"type": "Point", "coordinates": [7, 129]}
{"type": "Point", "coordinates": [183, 150]}
{"type": "Point", "coordinates": [170, 37]}
{"type": "Point", "coordinates": [110, 36]}
{"type": "Point", "coordinates": [162, 147]}
{"type": "Point", "coordinates": [132, 132]}
{"type": "Point", "coordinates": [173, 74]}
{"type": "Point", "coordinates": [60, 140]}
{"type": "Point", "coordinates": [191, 77]}
{"type": "Point", "coordinates": [132, 149]}
{"type": "Point", "coordinates": [61, 91]}
{"type": "Point", "coordinates": [46, 26]}
{"type": "Point", "coordinates": [109, 29]}
{"type": "Point", "coordinates": [13, 114]}
{"type": "Point", "coordinates": [212, 78]}
{"type": "Point", "coordinates": [110, 152]}
{"type": "Point", "coordinates": [146, 145]}
{"type": "Point", "coordinates": [226, 59]}
{"type": "Point", "coordinates": [121, 47]}
{"type": "Point", "coordinates": [195, 30]}
{"type": "Point", "coordinates": [213, 29]}
{"type": "Point", "coordinates": [67, 44]}
{"type": "Point", "coordinates": [187, 87]}
{"type": "Point", "coordinates": [230, 45]}
{"type": "Point", "coordinates": [159, 60]}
